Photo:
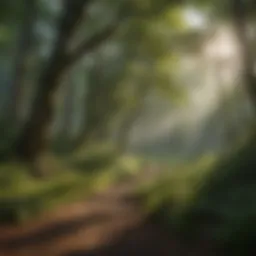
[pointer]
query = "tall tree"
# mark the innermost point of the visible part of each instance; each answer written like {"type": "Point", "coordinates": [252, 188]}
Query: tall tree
{"type": "Point", "coordinates": [68, 111]}
{"type": "Point", "coordinates": [23, 48]}
{"type": "Point", "coordinates": [240, 15]}
{"type": "Point", "coordinates": [35, 136]}
{"type": "Point", "coordinates": [116, 92]}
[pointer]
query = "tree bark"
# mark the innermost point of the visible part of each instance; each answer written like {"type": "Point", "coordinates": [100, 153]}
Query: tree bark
{"type": "Point", "coordinates": [23, 49]}
{"type": "Point", "coordinates": [34, 139]}
{"type": "Point", "coordinates": [92, 104]}
{"type": "Point", "coordinates": [99, 108]}
{"type": "Point", "coordinates": [69, 103]}
{"type": "Point", "coordinates": [239, 14]}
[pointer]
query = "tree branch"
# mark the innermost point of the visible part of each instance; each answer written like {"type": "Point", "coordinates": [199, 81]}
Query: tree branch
{"type": "Point", "coordinates": [92, 43]}
{"type": "Point", "coordinates": [72, 13]}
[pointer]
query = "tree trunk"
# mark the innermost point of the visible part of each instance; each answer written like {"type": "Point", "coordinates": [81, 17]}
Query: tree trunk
{"type": "Point", "coordinates": [34, 139]}
{"type": "Point", "coordinates": [68, 111]}
{"type": "Point", "coordinates": [89, 111]}
{"type": "Point", "coordinates": [35, 136]}
{"type": "Point", "coordinates": [23, 49]}
{"type": "Point", "coordinates": [99, 107]}
{"type": "Point", "coordinates": [239, 13]}
{"type": "Point", "coordinates": [129, 120]}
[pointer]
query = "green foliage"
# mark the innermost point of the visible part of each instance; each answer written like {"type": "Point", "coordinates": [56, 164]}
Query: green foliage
{"type": "Point", "coordinates": [222, 10]}
{"type": "Point", "coordinates": [6, 10]}
{"type": "Point", "coordinates": [23, 197]}
{"type": "Point", "coordinates": [152, 61]}
{"type": "Point", "coordinates": [4, 35]}
{"type": "Point", "coordinates": [229, 194]}
{"type": "Point", "coordinates": [176, 189]}
{"type": "Point", "coordinates": [213, 199]}
{"type": "Point", "coordinates": [148, 8]}
{"type": "Point", "coordinates": [148, 47]}
{"type": "Point", "coordinates": [7, 138]}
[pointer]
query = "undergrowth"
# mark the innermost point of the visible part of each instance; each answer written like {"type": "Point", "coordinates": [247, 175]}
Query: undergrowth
{"type": "Point", "coordinates": [211, 200]}
{"type": "Point", "coordinates": [23, 197]}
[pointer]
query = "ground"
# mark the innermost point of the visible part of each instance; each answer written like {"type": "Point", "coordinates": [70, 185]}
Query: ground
{"type": "Point", "coordinates": [109, 223]}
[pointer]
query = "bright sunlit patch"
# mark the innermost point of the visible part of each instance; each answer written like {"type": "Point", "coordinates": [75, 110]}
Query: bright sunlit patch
{"type": "Point", "coordinates": [194, 18]}
{"type": "Point", "coordinates": [223, 45]}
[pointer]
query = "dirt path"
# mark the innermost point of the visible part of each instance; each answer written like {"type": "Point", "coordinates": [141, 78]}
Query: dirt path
{"type": "Point", "coordinates": [109, 224]}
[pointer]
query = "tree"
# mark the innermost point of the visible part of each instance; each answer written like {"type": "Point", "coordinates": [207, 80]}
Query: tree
{"type": "Point", "coordinates": [145, 19]}
{"type": "Point", "coordinates": [34, 138]}
{"type": "Point", "coordinates": [240, 11]}
{"type": "Point", "coordinates": [118, 84]}
{"type": "Point", "coordinates": [23, 49]}
{"type": "Point", "coordinates": [68, 107]}
{"type": "Point", "coordinates": [116, 93]}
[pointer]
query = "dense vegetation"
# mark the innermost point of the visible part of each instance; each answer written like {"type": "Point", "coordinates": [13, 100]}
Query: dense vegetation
{"type": "Point", "coordinates": [95, 92]}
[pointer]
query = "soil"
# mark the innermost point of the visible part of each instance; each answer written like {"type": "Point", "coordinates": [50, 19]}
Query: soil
{"type": "Point", "coordinates": [110, 223]}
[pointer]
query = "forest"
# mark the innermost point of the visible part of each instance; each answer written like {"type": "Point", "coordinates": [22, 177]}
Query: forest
{"type": "Point", "coordinates": [127, 127]}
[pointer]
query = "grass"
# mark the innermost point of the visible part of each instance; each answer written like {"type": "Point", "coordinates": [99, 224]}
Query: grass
{"type": "Point", "coordinates": [229, 194]}
{"type": "Point", "coordinates": [177, 188]}
{"type": "Point", "coordinates": [216, 197]}
{"type": "Point", "coordinates": [23, 197]}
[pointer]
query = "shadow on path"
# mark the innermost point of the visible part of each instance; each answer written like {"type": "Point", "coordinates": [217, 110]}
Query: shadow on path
{"type": "Point", "coordinates": [109, 224]}
{"type": "Point", "coordinates": [52, 231]}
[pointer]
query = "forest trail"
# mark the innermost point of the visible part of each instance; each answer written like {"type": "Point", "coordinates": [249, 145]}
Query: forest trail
{"type": "Point", "coordinates": [110, 223]}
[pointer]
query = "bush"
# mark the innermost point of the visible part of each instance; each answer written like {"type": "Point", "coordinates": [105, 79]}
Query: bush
{"type": "Point", "coordinates": [217, 202]}
{"type": "Point", "coordinates": [23, 197]}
